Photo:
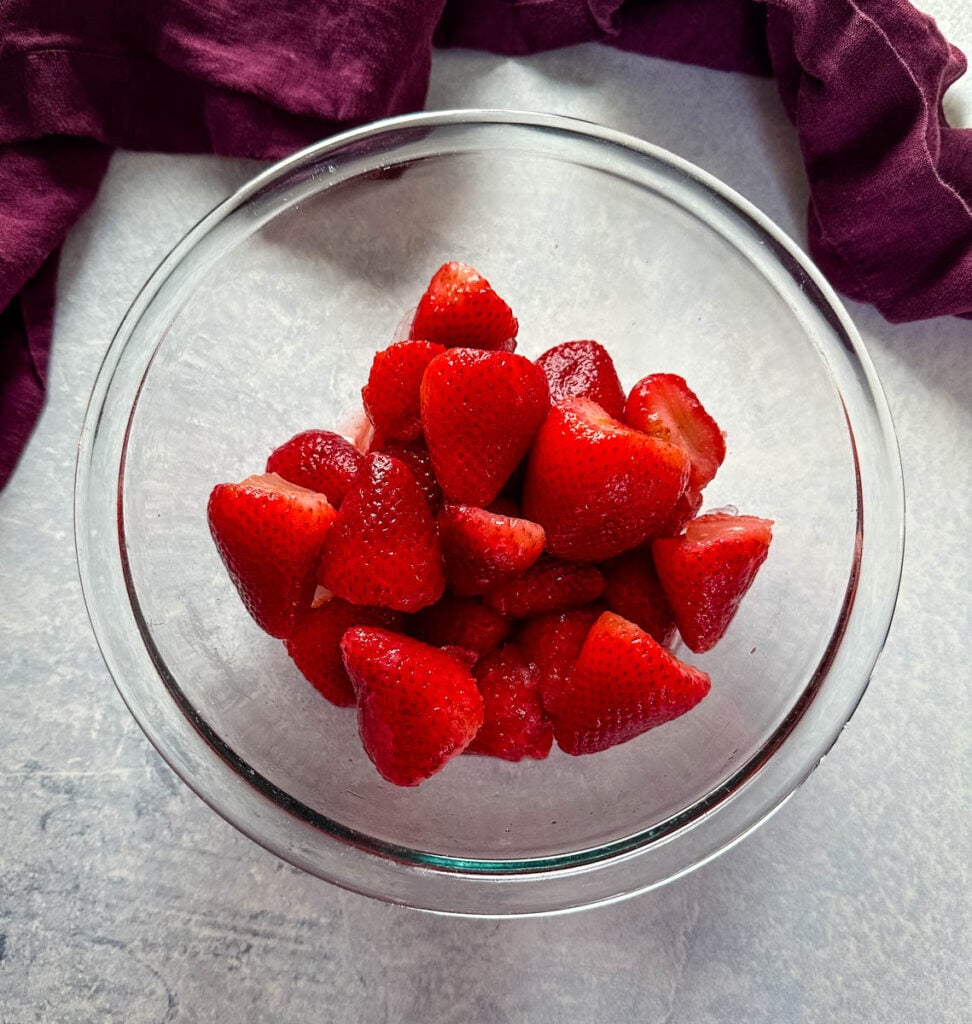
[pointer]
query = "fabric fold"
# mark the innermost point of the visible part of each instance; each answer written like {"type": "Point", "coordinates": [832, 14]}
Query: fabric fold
{"type": "Point", "coordinates": [890, 182]}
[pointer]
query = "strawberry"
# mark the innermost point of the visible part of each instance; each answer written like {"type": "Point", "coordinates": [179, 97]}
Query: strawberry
{"type": "Point", "coordinates": [315, 645]}
{"type": "Point", "coordinates": [482, 547]}
{"type": "Point", "coordinates": [708, 569]}
{"type": "Point", "coordinates": [416, 457]}
{"type": "Point", "coordinates": [596, 486]}
{"type": "Point", "coordinates": [553, 641]}
{"type": "Point", "coordinates": [514, 725]}
{"type": "Point", "coordinates": [461, 622]}
{"type": "Point", "coordinates": [480, 412]}
{"type": "Point", "coordinates": [623, 684]}
{"type": "Point", "coordinates": [686, 507]}
{"type": "Point", "coordinates": [269, 534]}
{"type": "Point", "coordinates": [583, 369]}
{"type": "Point", "coordinates": [550, 585]}
{"type": "Point", "coordinates": [319, 460]}
{"type": "Point", "coordinates": [391, 396]}
{"type": "Point", "coordinates": [463, 655]}
{"type": "Point", "coordinates": [383, 548]}
{"type": "Point", "coordinates": [663, 406]}
{"type": "Point", "coordinates": [417, 706]}
{"type": "Point", "coordinates": [460, 308]}
{"type": "Point", "coordinates": [634, 593]}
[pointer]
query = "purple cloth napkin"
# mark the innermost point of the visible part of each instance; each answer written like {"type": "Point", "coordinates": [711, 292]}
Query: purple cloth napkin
{"type": "Point", "coordinates": [890, 181]}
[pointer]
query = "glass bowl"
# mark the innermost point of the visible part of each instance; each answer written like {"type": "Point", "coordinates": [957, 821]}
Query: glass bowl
{"type": "Point", "coordinates": [263, 321]}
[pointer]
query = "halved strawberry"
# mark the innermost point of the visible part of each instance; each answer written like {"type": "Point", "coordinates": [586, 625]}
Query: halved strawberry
{"type": "Point", "coordinates": [583, 369]}
{"type": "Point", "coordinates": [514, 725]}
{"type": "Point", "coordinates": [383, 548]}
{"type": "Point", "coordinates": [417, 706]}
{"type": "Point", "coordinates": [315, 645]}
{"type": "Point", "coordinates": [460, 622]}
{"type": "Point", "coordinates": [269, 534]}
{"type": "Point", "coordinates": [634, 592]}
{"type": "Point", "coordinates": [460, 309]}
{"type": "Point", "coordinates": [416, 457]}
{"type": "Point", "coordinates": [596, 486]}
{"type": "Point", "coordinates": [319, 460]}
{"type": "Point", "coordinates": [663, 405]}
{"type": "Point", "coordinates": [706, 572]}
{"type": "Point", "coordinates": [480, 412]}
{"type": "Point", "coordinates": [482, 547]}
{"type": "Point", "coordinates": [549, 585]}
{"type": "Point", "coordinates": [391, 396]}
{"type": "Point", "coordinates": [623, 684]}
{"type": "Point", "coordinates": [553, 640]}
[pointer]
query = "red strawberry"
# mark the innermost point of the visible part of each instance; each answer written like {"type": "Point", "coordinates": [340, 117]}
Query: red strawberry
{"type": "Point", "coordinates": [315, 645]}
{"type": "Point", "coordinates": [554, 640]}
{"type": "Point", "coordinates": [634, 593]}
{"type": "Point", "coordinates": [459, 308]}
{"type": "Point", "coordinates": [514, 725]}
{"type": "Point", "coordinates": [416, 457]}
{"type": "Point", "coordinates": [391, 396]}
{"type": "Point", "coordinates": [383, 549]}
{"type": "Point", "coordinates": [482, 547]}
{"type": "Point", "coordinates": [269, 534]}
{"type": "Point", "coordinates": [463, 655]}
{"type": "Point", "coordinates": [596, 486]}
{"type": "Point", "coordinates": [320, 460]}
{"type": "Point", "coordinates": [480, 412]}
{"type": "Point", "coordinates": [417, 706]}
{"type": "Point", "coordinates": [685, 508]}
{"type": "Point", "coordinates": [624, 683]}
{"type": "Point", "coordinates": [706, 572]}
{"type": "Point", "coordinates": [662, 405]}
{"type": "Point", "coordinates": [461, 622]}
{"type": "Point", "coordinates": [550, 585]}
{"type": "Point", "coordinates": [583, 369]}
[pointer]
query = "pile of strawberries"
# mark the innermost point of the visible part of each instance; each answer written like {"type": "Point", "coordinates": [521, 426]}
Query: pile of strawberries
{"type": "Point", "coordinates": [505, 560]}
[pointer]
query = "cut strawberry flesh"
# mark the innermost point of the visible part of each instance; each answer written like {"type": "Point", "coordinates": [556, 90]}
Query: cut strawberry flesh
{"type": "Point", "coordinates": [707, 571]}
{"type": "Point", "coordinates": [664, 406]}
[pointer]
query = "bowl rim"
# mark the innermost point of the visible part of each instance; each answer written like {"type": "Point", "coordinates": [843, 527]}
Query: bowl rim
{"type": "Point", "coordinates": [561, 865]}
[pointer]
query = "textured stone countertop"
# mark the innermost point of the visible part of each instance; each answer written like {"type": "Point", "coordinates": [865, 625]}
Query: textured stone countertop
{"type": "Point", "coordinates": [124, 899]}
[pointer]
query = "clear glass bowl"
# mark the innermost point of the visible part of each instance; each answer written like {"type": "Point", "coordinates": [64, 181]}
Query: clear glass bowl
{"type": "Point", "coordinates": [263, 322]}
